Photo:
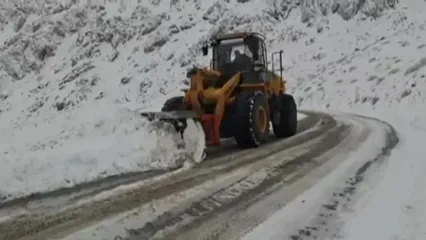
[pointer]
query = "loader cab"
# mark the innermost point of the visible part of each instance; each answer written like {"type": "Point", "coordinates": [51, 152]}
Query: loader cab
{"type": "Point", "coordinates": [240, 52]}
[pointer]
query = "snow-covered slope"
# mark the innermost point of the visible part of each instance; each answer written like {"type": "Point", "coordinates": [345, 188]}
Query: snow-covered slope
{"type": "Point", "coordinates": [71, 74]}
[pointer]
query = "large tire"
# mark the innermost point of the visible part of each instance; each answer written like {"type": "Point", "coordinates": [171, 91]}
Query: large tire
{"type": "Point", "coordinates": [173, 104]}
{"type": "Point", "coordinates": [286, 125]}
{"type": "Point", "coordinates": [252, 120]}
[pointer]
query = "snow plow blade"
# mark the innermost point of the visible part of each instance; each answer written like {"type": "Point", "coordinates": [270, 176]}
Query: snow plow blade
{"type": "Point", "coordinates": [177, 118]}
{"type": "Point", "coordinates": [175, 115]}
{"type": "Point", "coordinates": [187, 124]}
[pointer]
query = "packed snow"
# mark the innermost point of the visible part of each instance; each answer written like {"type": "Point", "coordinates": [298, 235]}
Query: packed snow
{"type": "Point", "coordinates": [72, 76]}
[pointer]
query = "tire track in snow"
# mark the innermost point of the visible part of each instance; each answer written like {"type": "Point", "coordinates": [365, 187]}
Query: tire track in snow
{"type": "Point", "coordinates": [326, 221]}
{"type": "Point", "coordinates": [44, 222]}
{"type": "Point", "coordinates": [171, 225]}
{"type": "Point", "coordinates": [91, 188]}
{"type": "Point", "coordinates": [226, 218]}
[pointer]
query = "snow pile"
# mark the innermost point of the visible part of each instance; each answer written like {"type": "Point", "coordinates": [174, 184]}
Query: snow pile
{"type": "Point", "coordinates": [69, 71]}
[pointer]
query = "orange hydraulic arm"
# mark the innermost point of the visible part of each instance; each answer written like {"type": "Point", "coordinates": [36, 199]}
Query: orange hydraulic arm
{"type": "Point", "coordinates": [198, 95]}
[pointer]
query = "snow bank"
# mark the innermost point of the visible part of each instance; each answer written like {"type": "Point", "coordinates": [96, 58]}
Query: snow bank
{"type": "Point", "coordinates": [96, 144]}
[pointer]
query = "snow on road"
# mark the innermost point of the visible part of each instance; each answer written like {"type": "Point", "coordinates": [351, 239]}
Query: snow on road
{"type": "Point", "coordinates": [392, 204]}
{"type": "Point", "coordinates": [314, 208]}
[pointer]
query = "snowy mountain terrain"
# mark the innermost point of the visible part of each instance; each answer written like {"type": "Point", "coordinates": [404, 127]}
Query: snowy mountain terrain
{"type": "Point", "coordinates": [72, 74]}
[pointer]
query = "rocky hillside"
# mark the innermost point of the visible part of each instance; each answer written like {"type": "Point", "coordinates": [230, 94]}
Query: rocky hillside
{"type": "Point", "coordinates": [66, 41]}
{"type": "Point", "coordinates": [68, 69]}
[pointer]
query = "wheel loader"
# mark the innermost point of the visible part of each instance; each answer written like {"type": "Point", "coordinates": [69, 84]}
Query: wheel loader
{"type": "Point", "coordinates": [237, 96]}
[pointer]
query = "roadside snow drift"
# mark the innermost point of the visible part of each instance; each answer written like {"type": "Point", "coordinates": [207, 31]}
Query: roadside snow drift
{"type": "Point", "coordinates": [70, 72]}
{"type": "Point", "coordinates": [96, 145]}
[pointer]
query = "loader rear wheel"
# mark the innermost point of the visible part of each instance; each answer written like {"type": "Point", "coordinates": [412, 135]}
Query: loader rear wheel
{"type": "Point", "coordinates": [286, 124]}
{"type": "Point", "coordinates": [252, 120]}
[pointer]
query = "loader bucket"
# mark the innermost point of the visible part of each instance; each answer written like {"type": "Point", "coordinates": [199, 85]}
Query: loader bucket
{"type": "Point", "coordinates": [188, 125]}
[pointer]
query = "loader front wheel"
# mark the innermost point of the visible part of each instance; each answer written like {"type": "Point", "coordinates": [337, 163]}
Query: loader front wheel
{"type": "Point", "coordinates": [286, 124]}
{"type": "Point", "coordinates": [252, 121]}
{"type": "Point", "coordinates": [173, 104]}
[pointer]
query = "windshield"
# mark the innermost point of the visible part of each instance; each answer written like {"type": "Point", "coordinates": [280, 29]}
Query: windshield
{"type": "Point", "coordinates": [226, 51]}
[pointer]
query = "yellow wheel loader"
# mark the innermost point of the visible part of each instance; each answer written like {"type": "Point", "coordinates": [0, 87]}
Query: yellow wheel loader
{"type": "Point", "coordinates": [238, 96]}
